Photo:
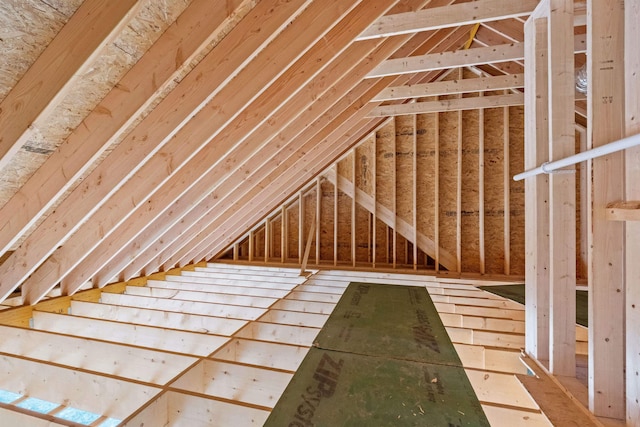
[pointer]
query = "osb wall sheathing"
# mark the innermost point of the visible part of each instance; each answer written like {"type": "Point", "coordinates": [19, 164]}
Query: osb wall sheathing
{"type": "Point", "coordinates": [292, 218]}
{"type": "Point", "coordinates": [425, 142]}
{"type": "Point", "coordinates": [470, 201]}
{"type": "Point", "coordinates": [309, 208]}
{"type": "Point", "coordinates": [448, 180]}
{"type": "Point", "coordinates": [494, 190]}
{"type": "Point", "coordinates": [385, 164]}
{"type": "Point", "coordinates": [405, 132]}
{"type": "Point", "coordinates": [345, 169]}
{"type": "Point", "coordinates": [516, 190]}
{"type": "Point", "coordinates": [327, 194]}
{"type": "Point", "coordinates": [276, 244]}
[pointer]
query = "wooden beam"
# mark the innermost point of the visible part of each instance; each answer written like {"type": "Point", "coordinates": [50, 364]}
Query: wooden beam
{"type": "Point", "coordinates": [445, 60]}
{"type": "Point", "coordinates": [623, 211]}
{"type": "Point", "coordinates": [562, 198]}
{"type": "Point", "coordinates": [456, 104]}
{"type": "Point", "coordinates": [436, 191]}
{"type": "Point", "coordinates": [450, 87]}
{"type": "Point", "coordinates": [460, 58]}
{"type": "Point", "coordinates": [341, 118]}
{"type": "Point", "coordinates": [605, 123]}
{"type": "Point", "coordinates": [49, 79]}
{"type": "Point", "coordinates": [506, 177]}
{"type": "Point", "coordinates": [481, 192]}
{"type": "Point", "coordinates": [188, 97]}
{"type": "Point", "coordinates": [200, 131]}
{"type": "Point", "coordinates": [307, 250]}
{"type": "Point", "coordinates": [318, 218]}
{"type": "Point", "coordinates": [353, 210]}
{"type": "Point", "coordinates": [632, 229]}
{"type": "Point", "coordinates": [459, 183]}
{"type": "Point", "coordinates": [198, 25]}
{"type": "Point", "coordinates": [537, 190]}
{"type": "Point", "coordinates": [435, 18]}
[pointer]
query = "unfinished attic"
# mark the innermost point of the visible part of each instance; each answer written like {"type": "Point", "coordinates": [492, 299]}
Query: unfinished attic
{"type": "Point", "coordinates": [306, 212]}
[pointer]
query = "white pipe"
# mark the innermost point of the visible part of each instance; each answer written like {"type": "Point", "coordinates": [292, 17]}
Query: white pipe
{"type": "Point", "coordinates": [612, 147]}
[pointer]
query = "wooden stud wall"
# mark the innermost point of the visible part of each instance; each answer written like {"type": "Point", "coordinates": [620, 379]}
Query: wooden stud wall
{"type": "Point", "coordinates": [404, 170]}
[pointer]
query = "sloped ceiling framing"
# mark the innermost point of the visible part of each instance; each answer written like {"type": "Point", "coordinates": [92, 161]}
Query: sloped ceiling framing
{"type": "Point", "coordinates": [204, 131]}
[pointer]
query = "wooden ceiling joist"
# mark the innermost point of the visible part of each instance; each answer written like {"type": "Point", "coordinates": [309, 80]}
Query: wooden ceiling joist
{"type": "Point", "coordinates": [475, 103]}
{"type": "Point", "coordinates": [461, 58]}
{"type": "Point", "coordinates": [511, 81]}
{"type": "Point", "coordinates": [447, 16]}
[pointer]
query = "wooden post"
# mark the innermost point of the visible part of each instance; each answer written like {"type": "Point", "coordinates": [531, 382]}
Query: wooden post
{"type": "Point", "coordinates": [414, 190]}
{"type": "Point", "coordinates": [481, 233]}
{"type": "Point", "coordinates": [318, 217]}
{"type": "Point", "coordinates": [335, 216]}
{"type": "Point", "coordinates": [562, 198]}
{"type": "Point", "coordinates": [353, 208]}
{"type": "Point", "coordinates": [300, 226]}
{"type": "Point", "coordinates": [537, 190]}
{"type": "Point", "coordinates": [632, 229]}
{"type": "Point", "coordinates": [436, 189]}
{"type": "Point", "coordinates": [507, 192]}
{"type": "Point", "coordinates": [459, 190]}
{"type": "Point", "coordinates": [605, 111]}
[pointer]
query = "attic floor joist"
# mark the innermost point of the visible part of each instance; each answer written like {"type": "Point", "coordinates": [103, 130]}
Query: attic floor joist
{"type": "Point", "coordinates": [181, 384]}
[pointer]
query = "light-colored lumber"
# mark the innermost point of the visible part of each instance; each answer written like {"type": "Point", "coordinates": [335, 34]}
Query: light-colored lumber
{"type": "Point", "coordinates": [271, 332]}
{"type": "Point", "coordinates": [158, 318]}
{"type": "Point", "coordinates": [386, 215]}
{"type": "Point", "coordinates": [144, 336]}
{"type": "Point", "coordinates": [258, 353]}
{"type": "Point", "coordinates": [190, 307]}
{"type": "Point", "coordinates": [606, 92]}
{"type": "Point", "coordinates": [70, 54]}
{"type": "Point", "coordinates": [216, 298]}
{"type": "Point", "coordinates": [435, 18]}
{"type": "Point", "coordinates": [501, 416]}
{"type": "Point", "coordinates": [254, 79]}
{"type": "Point", "coordinates": [295, 107]}
{"type": "Point", "coordinates": [461, 58]}
{"type": "Point", "coordinates": [448, 105]}
{"type": "Point", "coordinates": [150, 366]}
{"type": "Point", "coordinates": [304, 306]}
{"type": "Point", "coordinates": [86, 391]}
{"type": "Point", "coordinates": [314, 296]}
{"type": "Point", "coordinates": [284, 317]}
{"type": "Point", "coordinates": [340, 135]}
{"type": "Point", "coordinates": [188, 410]}
{"type": "Point", "coordinates": [231, 381]}
{"type": "Point", "coordinates": [632, 229]}
{"type": "Point", "coordinates": [623, 211]}
{"type": "Point", "coordinates": [537, 190]}
{"type": "Point", "coordinates": [450, 87]}
{"type": "Point", "coordinates": [167, 289]}
{"type": "Point", "coordinates": [198, 25]}
{"type": "Point", "coordinates": [562, 198]}
{"type": "Point", "coordinates": [229, 284]}
{"type": "Point", "coordinates": [500, 388]}
{"type": "Point", "coordinates": [138, 146]}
